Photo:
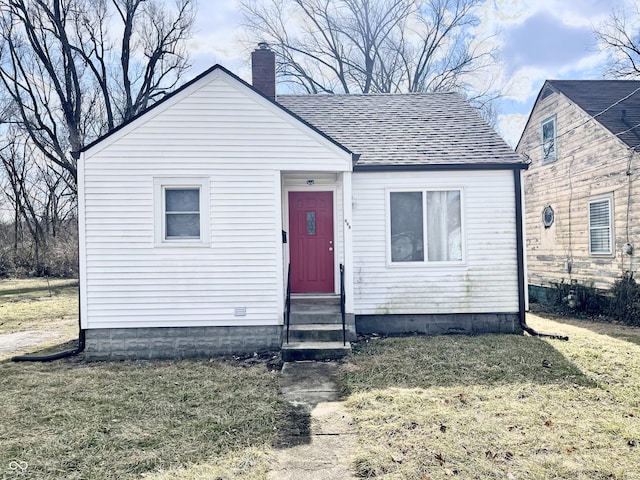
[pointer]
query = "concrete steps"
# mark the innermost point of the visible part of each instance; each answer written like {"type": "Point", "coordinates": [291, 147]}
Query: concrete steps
{"type": "Point", "coordinates": [315, 331]}
{"type": "Point", "coordinates": [296, 351]}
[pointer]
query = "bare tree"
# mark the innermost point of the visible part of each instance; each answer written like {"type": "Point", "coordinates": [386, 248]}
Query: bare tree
{"type": "Point", "coordinates": [70, 70]}
{"type": "Point", "coordinates": [371, 46]}
{"type": "Point", "coordinates": [74, 69]}
{"type": "Point", "coordinates": [618, 36]}
{"type": "Point", "coordinates": [38, 194]}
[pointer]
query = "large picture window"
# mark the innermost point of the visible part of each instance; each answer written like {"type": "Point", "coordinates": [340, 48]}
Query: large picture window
{"type": "Point", "coordinates": [432, 215]}
{"type": "Point", "coordinates": [549, 140]}
{"type": "Point", "coordinates": [600, 228]}
{"type": "Point", "coordinates": [181, 211]}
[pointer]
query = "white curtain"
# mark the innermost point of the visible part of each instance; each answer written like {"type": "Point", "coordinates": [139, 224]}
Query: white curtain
{"type": "Point", "coordinates": [444, 240]}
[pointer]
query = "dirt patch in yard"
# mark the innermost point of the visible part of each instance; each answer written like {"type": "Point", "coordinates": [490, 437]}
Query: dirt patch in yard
{"type": "Point", "coordinates": [19, 343]}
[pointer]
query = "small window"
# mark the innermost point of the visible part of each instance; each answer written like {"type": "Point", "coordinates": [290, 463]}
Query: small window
{"type": "Point", "coordinates": [548, 216]}
{"type": "Point", "coordinates": [600, 229]}
{"type": "Point", "coordinates": [181, 211]}
{"type": "Point", "coordinates": [432, 215]}
{"type": "Point", "coordinates": [549, 140]}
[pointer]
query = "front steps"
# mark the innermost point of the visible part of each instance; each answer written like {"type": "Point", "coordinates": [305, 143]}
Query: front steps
{"type": "Point", "coordinates": [315, 331]}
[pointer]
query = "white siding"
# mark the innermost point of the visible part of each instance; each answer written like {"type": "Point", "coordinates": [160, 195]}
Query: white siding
{"type": "Point", "coordinates": [485, 283]}
{"type": "Point", "coordinates": [220, 131]}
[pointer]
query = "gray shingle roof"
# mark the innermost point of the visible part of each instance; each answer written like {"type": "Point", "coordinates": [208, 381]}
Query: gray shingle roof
{"type": "Point", "coordinates": [404, 129]}
{"type": "Point", "coordinates": [594, 96]}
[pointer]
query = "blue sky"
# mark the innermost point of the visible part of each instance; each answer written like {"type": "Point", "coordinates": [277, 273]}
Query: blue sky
{"type": "Point", "coordinates": [539, 40]}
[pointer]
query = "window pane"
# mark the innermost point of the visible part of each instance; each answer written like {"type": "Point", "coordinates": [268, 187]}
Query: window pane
{"type": "Point", "coordinates": [407, 242]}
{"type": "Point", "coordinates": [183, 200]}
{"type": "Point", "coordinates": [549, 140]}
{"type": "Point", "coordinates": [183, 225]}
{"type": "Point", "coordinates": [444, 222]}
{"type": "Point", "coordinates": [599, 214]}
{"type": "Point", "coordinates": [311, 223]}
{"type": "Point", "coordinates": [600, 241]}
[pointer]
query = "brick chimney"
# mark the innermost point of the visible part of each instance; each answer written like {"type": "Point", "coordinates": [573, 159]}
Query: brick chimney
{"type": "Point", "coordinates": [263, 70]}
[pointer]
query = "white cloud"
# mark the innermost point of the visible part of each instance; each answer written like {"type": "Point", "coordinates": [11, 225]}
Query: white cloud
{"type": "Point", "coordinates": [216, 37]}
{"type": "Point", "coordinates": [525, 84]}
{"type": "Point", "coordinates": [510, 127]}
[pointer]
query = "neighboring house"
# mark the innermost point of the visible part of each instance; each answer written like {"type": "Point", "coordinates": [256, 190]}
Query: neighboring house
{"type": "Point", "coordinates": [191, 213]}
{"type": "Point", "coordinates": [581, 189]}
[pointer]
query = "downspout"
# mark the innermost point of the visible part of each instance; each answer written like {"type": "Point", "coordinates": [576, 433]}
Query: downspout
{"type": "Point", "coordinates": [520, 260]}
{"type": "Point", "coordinates": [58, 355]}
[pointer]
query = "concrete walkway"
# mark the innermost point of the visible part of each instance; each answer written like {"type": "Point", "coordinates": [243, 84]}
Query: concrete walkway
{"type": "Point", "coordinates": [318, 446]}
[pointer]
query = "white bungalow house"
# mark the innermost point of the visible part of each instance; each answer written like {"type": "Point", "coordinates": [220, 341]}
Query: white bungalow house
{"type": "Point", "coordinates": [191, 213]}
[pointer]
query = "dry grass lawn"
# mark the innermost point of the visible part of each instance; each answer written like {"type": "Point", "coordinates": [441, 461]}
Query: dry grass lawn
{"type": "Point", "coordinates": [425, 408]}
{"type": "Point", "coordinates": [39, 313]}
{"type": "Point", "coordinates": [495, 406]}
{"type": "Point", "coordinates": [36, 304]}
{"type": "Point", "coordinates": [129, 420]}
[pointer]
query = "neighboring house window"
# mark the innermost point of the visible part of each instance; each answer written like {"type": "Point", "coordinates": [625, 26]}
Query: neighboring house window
{"type": "Point", "coordinates": [181, 213]}
{"type": "Point", "coordinates": [549, 140]}
{"type": "Point", "coordinates": [432, 215]}
{"type": "Point", "coordinates": [600, 228]}
{"type": "Point", "coordinates": [548, 216]}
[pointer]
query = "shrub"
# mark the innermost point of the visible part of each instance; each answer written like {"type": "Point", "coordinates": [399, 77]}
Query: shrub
{"type": "Point", "coordinates": [574, 297]}
{"type": "Point", "coordinates": [55, 256]}
{"type": "Point", "coordinates": [625, 306]}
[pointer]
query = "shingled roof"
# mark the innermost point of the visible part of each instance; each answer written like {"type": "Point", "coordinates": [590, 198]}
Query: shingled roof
{"type": "Point", "coordinates": [388, 130]}
{"type": "Point", "coordinates": [595, 96]}
{"type": "Point", "coordinates": [404, 129]}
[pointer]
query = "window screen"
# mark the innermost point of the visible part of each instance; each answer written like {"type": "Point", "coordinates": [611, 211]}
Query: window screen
{"type": "Point", "coordinates": [182, 213]}
{"type": "Point", "coordinates": [600, 226]}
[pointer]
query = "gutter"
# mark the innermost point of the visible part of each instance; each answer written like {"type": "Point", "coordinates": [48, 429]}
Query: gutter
{"type": "Point", "coordinates": [520, 259]}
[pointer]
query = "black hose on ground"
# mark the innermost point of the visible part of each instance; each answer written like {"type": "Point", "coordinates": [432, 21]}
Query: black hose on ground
{"type": "Point", "coordinates": [533, 333]}
{"type": "Point", "coordinates": [53, 356]}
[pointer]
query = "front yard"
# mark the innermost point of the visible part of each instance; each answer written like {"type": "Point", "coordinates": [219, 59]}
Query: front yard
{"type": "Point", "coordinates": [504, 407]}
{"type": "Point", "coordinates": [493, 406]}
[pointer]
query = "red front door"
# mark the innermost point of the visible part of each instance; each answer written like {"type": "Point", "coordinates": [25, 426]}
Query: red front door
{"type": "Point", "coordinates": [311, 242]}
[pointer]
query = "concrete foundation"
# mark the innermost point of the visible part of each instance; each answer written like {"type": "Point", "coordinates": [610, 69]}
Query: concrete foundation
{"type": "Point", "coordinates": [205, 342]}
{"type": "Point", "coordinates": [179, 342]}
{"type": "Point", "coordinates": [442, 324]}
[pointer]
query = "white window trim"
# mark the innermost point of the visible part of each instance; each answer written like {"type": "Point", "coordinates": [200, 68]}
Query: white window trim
{"type": "Point", "coordinates": [425, 262]}
{"type": "Point", "coordinates": [159, 219]}
{"type": "Point", "coordinates": [553, 119]}
{"type": "Point", "coordinates": [609, 199]}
